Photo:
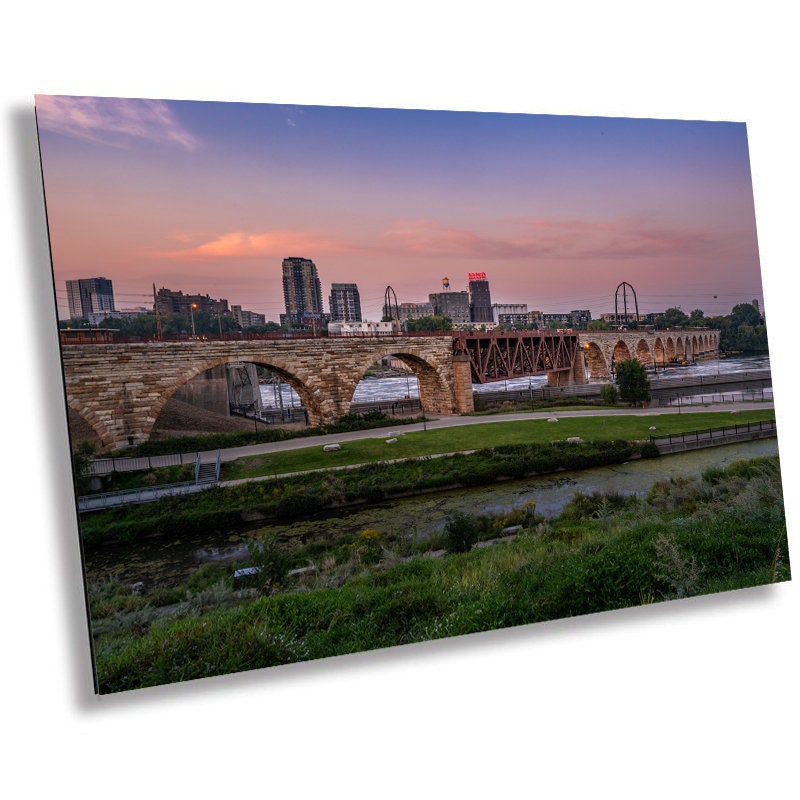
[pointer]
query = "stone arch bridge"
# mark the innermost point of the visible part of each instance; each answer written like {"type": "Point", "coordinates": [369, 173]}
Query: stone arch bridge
{"type": "Point", "coordinates": [603, 349]}
{"type": "Point", "coordinates": [119, 388]}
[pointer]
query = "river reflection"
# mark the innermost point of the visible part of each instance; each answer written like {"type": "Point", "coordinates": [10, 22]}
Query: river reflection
{"type": "Point", "coordinates": [170, 563]}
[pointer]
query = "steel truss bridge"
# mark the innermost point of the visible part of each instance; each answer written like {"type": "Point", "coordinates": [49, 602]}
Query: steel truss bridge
{"type": "Point", "coordinates": [501, 355]}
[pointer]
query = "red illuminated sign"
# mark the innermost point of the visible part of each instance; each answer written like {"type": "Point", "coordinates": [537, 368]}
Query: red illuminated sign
{"type": "Point", "coordinates": [477, 276]}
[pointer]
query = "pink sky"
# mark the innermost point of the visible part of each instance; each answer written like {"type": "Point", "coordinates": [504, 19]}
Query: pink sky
{"type": "Point", "coordinates": [210, 197]}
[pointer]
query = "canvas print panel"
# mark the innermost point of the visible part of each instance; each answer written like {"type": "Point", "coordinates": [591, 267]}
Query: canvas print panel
{"type": "Point", "coordinates": [340, 379]}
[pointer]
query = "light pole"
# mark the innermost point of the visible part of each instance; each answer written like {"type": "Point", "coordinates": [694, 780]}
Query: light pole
{"type": "Point", "coordinates": [192, 307]}
{"type": "Point", "coordinates": [419, 392]}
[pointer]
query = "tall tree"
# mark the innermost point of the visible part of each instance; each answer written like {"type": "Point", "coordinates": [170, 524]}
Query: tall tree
{"type": "Point", "coordinates": [434, 323]}
{"type": "Point", "coordinates": [633, 383]}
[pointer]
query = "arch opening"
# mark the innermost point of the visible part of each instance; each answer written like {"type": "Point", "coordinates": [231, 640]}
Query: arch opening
{"type": "Point", "coordinates": [643, 354]}
{"type": "Point", "coordinates": [621, 352]}
{"type": "Point", "coordinates": [417, 385]}
{"type": "Point", "coordinates": [595, 361]}
{"type": "Point", "coordinates": [245, 403]}
{"type": "Point", "coordinates": [659, 353]}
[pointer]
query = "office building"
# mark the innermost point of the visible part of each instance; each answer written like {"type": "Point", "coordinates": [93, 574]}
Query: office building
{"type": "Point", "coordinates": [345, 303]}
{"type": "Point", "coordinates": [302, 291]}
{"type": "Point", "coordinates": [89, 296]}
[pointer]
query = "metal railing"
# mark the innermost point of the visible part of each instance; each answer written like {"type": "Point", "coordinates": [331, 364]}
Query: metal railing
{"type": "Point", "coordinates": [675, 400]}
{"type": "Point", "coordinates": [103, 466]}
{"type": "Point", "coordinates": [726, 432]}
{"type": "Point", "coordinates": [149, 494]}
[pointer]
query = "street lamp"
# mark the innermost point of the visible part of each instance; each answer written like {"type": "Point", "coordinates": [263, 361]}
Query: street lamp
{"type": "Point", "coordinates": [419, 392]}
{"type": "Point", "coordinates": [192, 307]}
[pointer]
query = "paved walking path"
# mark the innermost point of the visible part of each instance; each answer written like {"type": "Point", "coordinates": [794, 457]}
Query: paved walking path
{"type": "Point", "coordinates": [90, 503]}
{"type": "Point", "coordinates": [455, 420]}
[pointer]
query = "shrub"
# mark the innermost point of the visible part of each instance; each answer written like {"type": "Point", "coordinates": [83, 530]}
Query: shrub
{"type": "Point", "coordinates": [460, 532]}
{"type": "Point", "coordinates": [649, 450]}
{"type": "Point", "coordinates": [271, 561]}
{"type": "Point", "coordinates": [609, 394]}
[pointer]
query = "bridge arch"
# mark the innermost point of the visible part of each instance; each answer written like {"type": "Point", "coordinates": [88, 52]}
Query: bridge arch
{"type": "Point", "coordinates": [595, 360]}
{"type": "Point", "coordinates": [435, 394]}
{"type": "Point", "coordinates": [308, 397]}
{"type": "Point", "coordinates": [99, 423]}
{"type": "Point", "coordinates": [659, 352]}
{"type": "Point", "coordinates": [621, 352]}
{"type": "Point", "coordinates": [643, 354]}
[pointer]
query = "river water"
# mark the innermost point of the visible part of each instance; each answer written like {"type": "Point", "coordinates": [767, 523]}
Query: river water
{"type": "Point", "coordinates": [396, 387]}
{"type": "Point", "coordinates": [172, 562]}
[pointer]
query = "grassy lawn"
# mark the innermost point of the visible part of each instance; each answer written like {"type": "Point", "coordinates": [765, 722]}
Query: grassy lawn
{"type": "Point", "coordinates": [475, 437]}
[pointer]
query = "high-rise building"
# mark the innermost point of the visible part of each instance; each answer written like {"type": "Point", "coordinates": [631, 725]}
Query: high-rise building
{"type": "Point", "coordinates": [302, 291]}
{"type": "Point", "coordinates": [89, 296]}
{"type": "Point", "coordinates": [345, 303]}
{"type": "Point", "coordinates": [480, 301]}
{"type": "Point", "coordinates": [451, 304]}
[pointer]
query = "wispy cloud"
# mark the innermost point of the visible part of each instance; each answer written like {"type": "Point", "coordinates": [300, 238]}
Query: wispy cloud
{"type": "Point", "coordinates": [555, 239]}
{"type": "Point", "coordinates": [114, 121]}
{"type": "Point", "coordinates": [240, 244]}
{"type": "Point", "coordinates": [573, 240]}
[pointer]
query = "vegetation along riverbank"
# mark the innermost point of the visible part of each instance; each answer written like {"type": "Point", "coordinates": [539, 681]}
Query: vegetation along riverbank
{"type": "Point", "coordinates": [298, 496]}
{"type": "Point", "coordinates": [722, 530]}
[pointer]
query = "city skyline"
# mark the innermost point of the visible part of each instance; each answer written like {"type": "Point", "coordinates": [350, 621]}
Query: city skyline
{"type": "Point", "coordinates": [211, 197]}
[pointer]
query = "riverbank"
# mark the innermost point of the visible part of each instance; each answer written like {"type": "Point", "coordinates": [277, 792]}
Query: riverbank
{"type": "Point", "coordinates": [287, 499]}
{"type": "Point", "coordinates": [720, 531]}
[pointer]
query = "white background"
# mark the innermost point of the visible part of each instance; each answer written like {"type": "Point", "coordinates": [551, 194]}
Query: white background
{"type": "Point", "coordinates": [697, 698]}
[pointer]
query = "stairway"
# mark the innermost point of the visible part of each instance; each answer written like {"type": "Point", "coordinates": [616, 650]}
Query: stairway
{"type": "Point", "coordinates": [208, 471]}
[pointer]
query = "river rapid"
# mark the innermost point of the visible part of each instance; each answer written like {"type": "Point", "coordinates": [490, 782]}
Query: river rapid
{"type": "Point", "coordinates": [169, 563]}
{"type": "Point", "coordinates": [396, 387]}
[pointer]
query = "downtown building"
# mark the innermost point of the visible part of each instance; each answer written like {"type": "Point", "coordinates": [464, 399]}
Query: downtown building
{"type": "Point", "coordinates": [345, 303]}
{"type": "Point", "coordinates": [480, 301]}
{"type": "Point", "coordinates": [454, 305]}
{"type": "Point", "coordinates": [89, 296]}
{"type": "Point", "coordinates": [248, 319]}
{"type": "Point", "coordinates": [407, 311]}
{"type": "Point", "coordinates": [302, 292]}
{"type": "Point", "coordinates": [171, 302]}
{"type": "Point", "coordinates": [499, 309]}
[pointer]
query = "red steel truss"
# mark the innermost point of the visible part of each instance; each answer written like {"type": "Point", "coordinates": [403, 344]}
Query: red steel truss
{"type": "Point", "coordinates": [501, 355]}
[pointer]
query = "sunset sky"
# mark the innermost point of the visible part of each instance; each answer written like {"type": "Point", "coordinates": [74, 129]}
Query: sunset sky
{"type": "Point", "coordinates": [210, 197]}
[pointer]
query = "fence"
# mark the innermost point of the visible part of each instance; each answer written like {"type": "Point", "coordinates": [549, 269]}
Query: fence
{"type": "Point", "coordinates": [717, 397]}
{"type": "Point", "coordinates": [97, 502]}
{"type": "Point", "coordinates": [727, 432]}
{"type": "Point", "coordinates": [102, 466]}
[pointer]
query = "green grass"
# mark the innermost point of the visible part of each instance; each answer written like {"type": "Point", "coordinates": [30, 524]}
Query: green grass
{"type": "Point", "coordinates": [479, 436]}
{"type": "Point", "coordinates": [689, 537]}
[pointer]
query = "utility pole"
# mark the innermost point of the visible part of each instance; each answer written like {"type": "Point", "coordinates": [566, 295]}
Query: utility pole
{"type": "Point", "coordinates": [158, 316]}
